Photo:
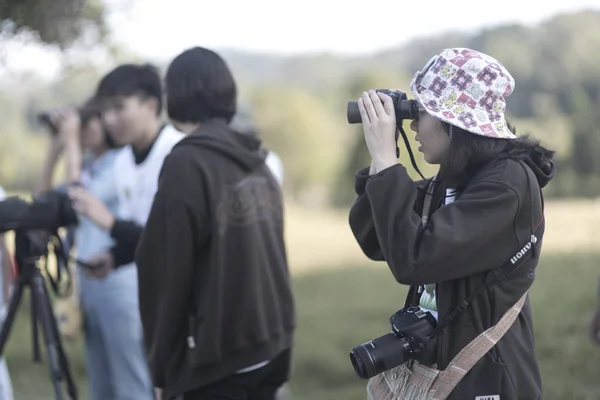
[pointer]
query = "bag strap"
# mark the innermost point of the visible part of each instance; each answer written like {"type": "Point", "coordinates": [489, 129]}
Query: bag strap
{"type": "Point", "coordinates": [473, 352]}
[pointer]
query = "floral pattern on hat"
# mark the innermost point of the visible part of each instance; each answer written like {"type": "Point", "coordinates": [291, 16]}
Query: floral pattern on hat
{"type": "Point", "coordinates": [467, 89]}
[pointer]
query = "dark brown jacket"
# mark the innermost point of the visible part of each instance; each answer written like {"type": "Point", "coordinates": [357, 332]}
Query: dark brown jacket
{"type": "Point", "coordinates": [489, 222]}
{"type": "Point", "coordinates": [214, 288]}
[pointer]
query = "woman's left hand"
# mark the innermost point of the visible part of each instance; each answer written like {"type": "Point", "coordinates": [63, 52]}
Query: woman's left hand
{"type": "Point", "coordinates": [379, 125]}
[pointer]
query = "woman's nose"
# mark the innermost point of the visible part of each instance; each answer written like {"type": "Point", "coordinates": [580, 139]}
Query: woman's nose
{"type": "Point", "coordinates": [414, 125]}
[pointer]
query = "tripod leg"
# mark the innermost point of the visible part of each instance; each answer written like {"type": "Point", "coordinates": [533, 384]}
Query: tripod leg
{"type": "Point", "coordinates": [12, 311]}
{"type": "Point", "coordinates": [62, 356]}
{"type": "Point", "coordinates": [38, 290]}
{"type": "Point", "coordinates": [35, 342]}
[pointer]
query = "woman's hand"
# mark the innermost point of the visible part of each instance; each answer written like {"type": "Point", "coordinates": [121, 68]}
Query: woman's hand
{"type": "Point", "coordinates": [103, 264]}
{"type": "Point", "coordinates": [379, 125]}
{"type": "Point", "coordinates": [69, 125]}
{"type": "Point", "coordinates": [91, 206]}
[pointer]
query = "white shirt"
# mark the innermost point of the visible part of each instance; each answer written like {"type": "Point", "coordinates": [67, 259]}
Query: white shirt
{"type": "Point", "coordinates": [137, 184]}
{"type": "Point", "coordinates": [275, 165]}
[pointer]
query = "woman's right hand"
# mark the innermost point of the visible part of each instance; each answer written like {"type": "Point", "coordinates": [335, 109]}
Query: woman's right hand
{"type": "Point", "coordinates": [68, 123]}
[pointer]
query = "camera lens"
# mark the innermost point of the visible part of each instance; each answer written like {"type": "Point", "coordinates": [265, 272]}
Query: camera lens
{"type": "Point", "coordinates": [362, 363]}
{"type": "Point", "coordinates": [379, 355]}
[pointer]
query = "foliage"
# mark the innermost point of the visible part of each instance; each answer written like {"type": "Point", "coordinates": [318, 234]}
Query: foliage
{"type": "Point", "coordinates": [59, 22]}
{"type": "Point", "coordinates": [300, 104]}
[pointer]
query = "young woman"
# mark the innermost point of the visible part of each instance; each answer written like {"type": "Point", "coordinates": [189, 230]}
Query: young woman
{"type": "Point", "coordinates": [482, 211]}
{"type": "Point", "coordinates": [116, 363]}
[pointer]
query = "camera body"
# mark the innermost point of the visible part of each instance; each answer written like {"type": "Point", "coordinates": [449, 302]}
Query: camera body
{"type": "Point", "coordinates": [49, 211]}
{"type": "Point", "coordinates": [409, 340]}
{"type": "Point", "coordinates": [404, 108]}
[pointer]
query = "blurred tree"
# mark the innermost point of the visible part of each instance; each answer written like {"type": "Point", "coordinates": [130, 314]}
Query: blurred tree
{"type": "Point", "coordinates": [299, 127]}
{"type": "Point", "coordinates": [586, 140]}
{"type": "Point", "coordinates": [58, 22]}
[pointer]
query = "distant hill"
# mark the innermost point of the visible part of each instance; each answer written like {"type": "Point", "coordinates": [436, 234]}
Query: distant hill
{"type": "Point", "coordinates": [547, 58]}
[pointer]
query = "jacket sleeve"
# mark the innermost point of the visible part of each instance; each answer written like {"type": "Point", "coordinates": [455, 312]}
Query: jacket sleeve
{"type": "Point", "coordinates": [361, 217]}
{"type": "Point", "coordinates": [473, 234]}
{"type": "Point", "coordinates": [166, 259]}
{"type": "Point", "coordinates": [127, 235]}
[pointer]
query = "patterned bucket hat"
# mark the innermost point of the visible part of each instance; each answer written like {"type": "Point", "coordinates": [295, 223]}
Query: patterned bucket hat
{"type": "Point", "coordinates": [467, 89]}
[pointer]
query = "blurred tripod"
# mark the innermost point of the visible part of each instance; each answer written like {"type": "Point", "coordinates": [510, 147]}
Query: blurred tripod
{"type": "Point", "coordinates": [30, 246]}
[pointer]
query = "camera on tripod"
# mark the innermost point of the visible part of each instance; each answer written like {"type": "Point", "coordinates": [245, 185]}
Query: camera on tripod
{"type": "Point", "coordinates": [36, 226]}
{"type": "Point", "coordinates": [405, 109]}
{"type": "Point", "coordinates": [48, 211]}
{"type": "Point", "coordinates": [409, 340]}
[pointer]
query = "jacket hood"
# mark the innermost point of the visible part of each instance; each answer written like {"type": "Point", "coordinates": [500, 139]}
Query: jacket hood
{"type": "Point", "coordinates": [216, 135]}
{"type": "Point", "coordinates": [537, 157]}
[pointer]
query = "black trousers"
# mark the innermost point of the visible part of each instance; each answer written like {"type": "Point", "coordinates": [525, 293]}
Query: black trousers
{"type": "Point", "coordinates": [260, 384]}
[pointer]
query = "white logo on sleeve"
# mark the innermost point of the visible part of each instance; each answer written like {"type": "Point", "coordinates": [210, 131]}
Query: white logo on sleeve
{"type": "Point", "coordinates": [494, 397]}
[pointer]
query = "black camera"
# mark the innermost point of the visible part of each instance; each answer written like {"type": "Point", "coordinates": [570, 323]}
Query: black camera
{"type": "Point", "coordinates": [49, 211]}
{"type": "Point", "coordinates": [86, 113]}
{"type": "Point", "coordinates": [405, 109]}
{"type": "Point", "coordinates": [409, 340]}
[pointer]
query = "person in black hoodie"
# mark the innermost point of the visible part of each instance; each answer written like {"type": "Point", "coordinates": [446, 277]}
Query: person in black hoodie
{"type": "Point", "coordinates": [481, 212]}
{"type": "Point", "coordinates": [215, 296]}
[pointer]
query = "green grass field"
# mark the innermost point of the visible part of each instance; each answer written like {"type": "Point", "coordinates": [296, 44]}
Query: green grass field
{"type": "Point", "coordinates": [343, 299]}
{"type": "Point", "coordinates": [340, 308]}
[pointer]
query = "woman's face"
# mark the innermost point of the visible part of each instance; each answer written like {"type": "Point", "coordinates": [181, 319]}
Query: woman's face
{"type": "Point", "coordinates": [93, 137]}
{"type": "Point", "coordinates": [432, 137]}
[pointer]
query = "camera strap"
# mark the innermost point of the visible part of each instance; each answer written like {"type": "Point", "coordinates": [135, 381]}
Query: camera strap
{"type": "Point", "coordinates": [408, 148]}
{"type": "Point", "coordinates": [59, 286]}
{"type": "Point", "coordinates": [510, 269]}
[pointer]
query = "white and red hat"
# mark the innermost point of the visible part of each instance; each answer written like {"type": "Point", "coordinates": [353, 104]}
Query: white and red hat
{"type": "Point", "coordinates": [467, 89]}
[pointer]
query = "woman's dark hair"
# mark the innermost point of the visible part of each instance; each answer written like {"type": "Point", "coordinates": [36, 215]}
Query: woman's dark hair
{"type": "Point", "coordinates": [199, 87]}
{"type": "Point", "coordinates": [469, 152]}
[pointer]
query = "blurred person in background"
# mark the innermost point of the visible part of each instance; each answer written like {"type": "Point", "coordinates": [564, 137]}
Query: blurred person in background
{"type": "Point", "coordinates": [243, 122]}
{"type": "Point", "coordinates": [595, 326]}
{"type": "Point", "coordinates": [215, 294]}
{"type": "Point", "coordinates": [447, 236]}
{"type": "Point", "coordinates": [115, 362]}
{"type": "Point", "coordinates": [131, 102]}
{"type": "Point", "coordinates": [7, 277]}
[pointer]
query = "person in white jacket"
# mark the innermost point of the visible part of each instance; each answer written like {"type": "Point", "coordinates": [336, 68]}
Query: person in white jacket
{"type": "Point", "coordinates": [6, 277]}
{"type": "Point", "coordinates": [243, 122]}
